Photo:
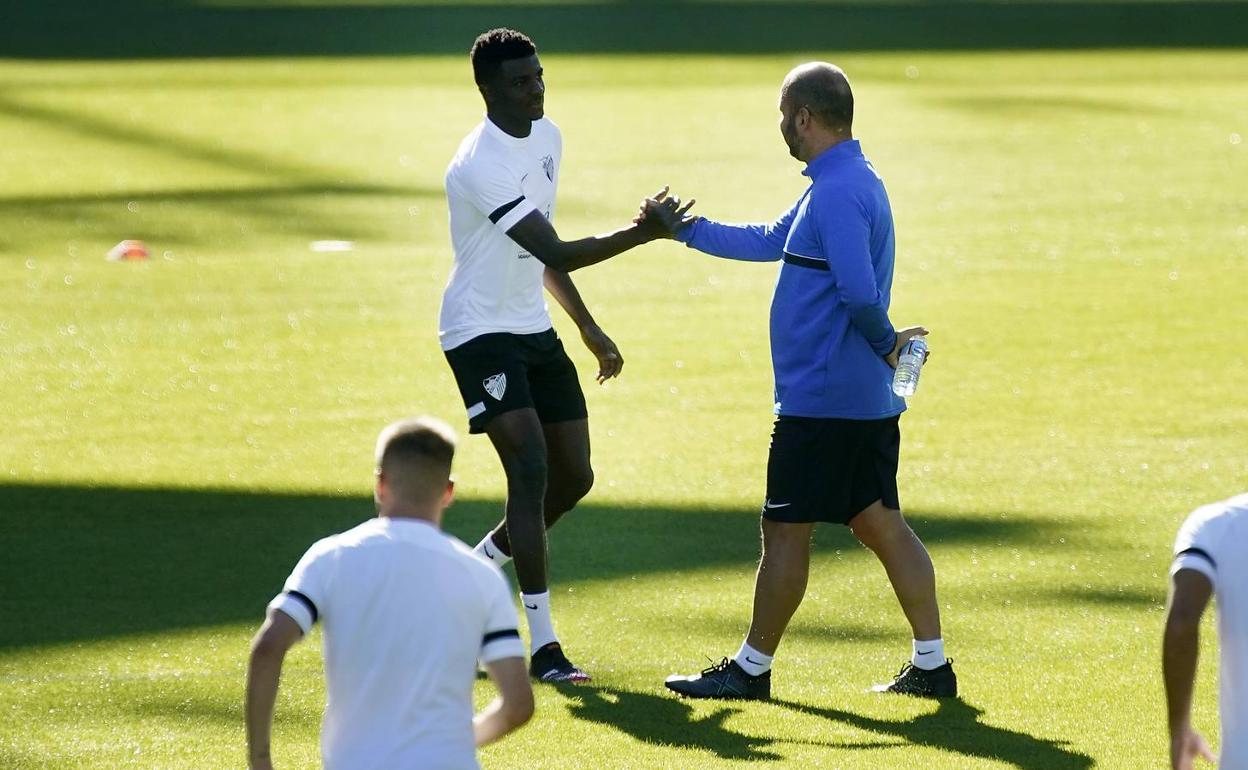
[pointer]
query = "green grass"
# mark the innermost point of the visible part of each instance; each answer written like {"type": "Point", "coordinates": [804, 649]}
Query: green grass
{"type": "Point", "coordinates": [1073, 227]}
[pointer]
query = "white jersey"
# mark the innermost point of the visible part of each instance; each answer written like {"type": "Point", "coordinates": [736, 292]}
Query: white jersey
{"type": "Point", "coordinates": [407, 611]}
{"type": "Point", "coordinates": [494, 181]}
{"type": "Point", "coordinates": [1214, 542]}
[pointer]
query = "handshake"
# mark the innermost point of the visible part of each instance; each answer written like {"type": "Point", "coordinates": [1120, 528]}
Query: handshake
{"type": "Point", "coordinates": [662, 216]}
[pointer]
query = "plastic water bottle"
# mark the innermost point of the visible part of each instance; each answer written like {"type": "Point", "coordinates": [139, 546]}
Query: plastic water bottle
{"type": "Point", "coordinates": [906, 376]}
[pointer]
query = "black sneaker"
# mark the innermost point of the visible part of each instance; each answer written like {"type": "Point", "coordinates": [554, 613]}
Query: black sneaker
{"type": "Point", "coordinates": [940, 682]}
{"type": "Point", "coordinates": [725, 680]}
{"type": "Point", "coordinates": [549, 664]}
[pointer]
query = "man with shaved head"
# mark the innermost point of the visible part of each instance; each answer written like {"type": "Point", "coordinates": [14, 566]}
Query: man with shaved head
{"type": "Point", "coordinates": [407, 612]}
{"type": "Point", "coordinates": [835, 443]}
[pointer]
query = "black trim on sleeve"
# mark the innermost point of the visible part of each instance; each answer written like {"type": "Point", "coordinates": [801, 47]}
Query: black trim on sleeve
{"type": "Point", "coordinates": [811, 262]}
{"type": "Point", "coordinates": [502, 210]}
{"type": "Point", "coordinates": [306, 602]}
{"type": "Point", "coordinates": [494, 635]}
{"type": "Point", "coordinates": [1202, 553]}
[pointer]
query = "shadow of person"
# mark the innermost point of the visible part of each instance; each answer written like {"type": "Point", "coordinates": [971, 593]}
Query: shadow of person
{"type": "Point", "coordinates": [955, 726]}
{"type": "Point", "coordinates": [662, 719]}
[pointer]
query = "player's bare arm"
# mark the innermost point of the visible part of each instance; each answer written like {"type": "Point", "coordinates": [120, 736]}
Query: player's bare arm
{"type": "Point", "coordinates": [1189, 596]}
{"type": "Point", "coordinates": [512, 708]}
{"type": "Point", "coordinates": [537, 235]}
{"type": "Point", "coordinates": [268, 650]}
{"type": "Point", "coordinates": [560, 286]}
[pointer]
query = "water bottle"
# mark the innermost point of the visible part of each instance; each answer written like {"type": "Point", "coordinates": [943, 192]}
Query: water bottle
{"type": "Point", "coordinates": [906, 376]}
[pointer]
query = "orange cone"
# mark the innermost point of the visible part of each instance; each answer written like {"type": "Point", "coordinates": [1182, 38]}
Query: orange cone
{"type": "Point", "coordinates": [127, 250]}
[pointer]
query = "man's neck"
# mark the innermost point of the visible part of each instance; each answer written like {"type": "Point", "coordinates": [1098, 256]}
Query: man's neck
{"type": "Point", "coordinates": [404, 513]}
{"type": "Point", "coordinates": [825, 143]}
{"type": "Point", "coordinates": [517, 127]}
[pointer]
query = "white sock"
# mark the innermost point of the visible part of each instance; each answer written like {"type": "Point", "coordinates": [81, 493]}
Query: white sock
{"type": "Point", "coordinates": [752, 661]}
{"type": "Point", "coordinates": [487, 550]}
{"type": "Point", "coordinates": [928, 654]}
{"type": "Point", "coordinates": [541, 627]}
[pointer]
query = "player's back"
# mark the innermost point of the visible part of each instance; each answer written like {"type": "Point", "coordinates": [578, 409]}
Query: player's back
{"type": "Point", "coordinates": [405, 610]}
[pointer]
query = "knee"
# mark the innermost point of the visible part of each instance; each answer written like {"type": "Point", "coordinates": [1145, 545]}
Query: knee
{"type": "Point", "coordinates": [876, 532]}
{"type": "Point", "coordinates": [783, 538]}
{"type": "Point", "coordinates": [526, 472]}
{"type": "Point", "coordinates": [568, 487]}
{"type": "Point", "coordinates": [580, 482]}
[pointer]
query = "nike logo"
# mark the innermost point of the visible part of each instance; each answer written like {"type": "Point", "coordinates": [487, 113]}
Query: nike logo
{"type": "Point", "coordinates": [748, 659]}
{"type": "Point", "coordinates": [923, 652]}
{"type": "Point", "coordinates": [769, 505]}
{"type": "Point", "coordinates": [489, 555]}
{"type": "Point", "coordinates": [530, 606]}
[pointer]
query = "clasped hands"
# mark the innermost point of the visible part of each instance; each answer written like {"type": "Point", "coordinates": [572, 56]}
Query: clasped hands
{"type": "Point", "coordinates": [662, 215]}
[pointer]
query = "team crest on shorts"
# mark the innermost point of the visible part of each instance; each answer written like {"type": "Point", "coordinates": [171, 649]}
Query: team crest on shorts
{"type": "Point", "coordinates": [548, 165]}
{"type": "Point", "coordinates": [496, 385]}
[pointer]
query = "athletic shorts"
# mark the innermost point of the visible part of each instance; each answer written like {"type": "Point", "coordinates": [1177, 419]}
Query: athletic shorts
{"type": "Point", "coordinates": [502, 372]}
{"type": "Point", "coordinates": [822, 469]}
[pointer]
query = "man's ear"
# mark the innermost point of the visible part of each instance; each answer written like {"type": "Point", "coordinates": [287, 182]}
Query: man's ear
{"type": "Point", "coordinates": [803, 116]}
{"type": "Point", "coordinates": [448, 495]}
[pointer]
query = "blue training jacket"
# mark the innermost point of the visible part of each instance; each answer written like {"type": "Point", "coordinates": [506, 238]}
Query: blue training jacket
{"type": "Point", "coordinates": [829, 315]}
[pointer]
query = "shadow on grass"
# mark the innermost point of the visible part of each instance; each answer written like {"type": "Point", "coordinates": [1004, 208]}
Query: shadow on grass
{"type": "Point", "coordinates": [118, 130]}
{"type": "Point", "coordinates": [955, 726]}
{"type": "Point", "coordinates": [174, 217]}
{"type": "Point", "coordinates": [665, 720]}
{"type": "Point", "coordinates": [1120, 596]}
{"type": "Point", "coordinates": [130, 29]}
{"type": "Point", "coordinates": [85, 563]}
{"type": "Point", "coordinates": [244, 197]}
{"type": "Point", "coordinates": [276, 205]}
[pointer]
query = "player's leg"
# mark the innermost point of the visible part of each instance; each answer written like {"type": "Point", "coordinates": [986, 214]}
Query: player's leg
{"type": "Point", "coordinates": [492, 374]}
{"type": "Point", "coordinates": [569, 474]}
{"type": "Point", "coordinates": [796, 497]}
{"type": "Point", "coordinates": [521, 445]}
{"type": "Point", "coordinates": [560, 405]}
{"type": "Point", "coordinates": [569, 477]}
{"type": "Point", "coordinates": [779, 585]}
{"type": "Point", "coordinates": [880, 526]}
{"type": "Point", "coordinates": [520, 441]}
{"type": "Point", "coordinates": [905, 559]}
{"type": "Point", "coordinates": [493, 378]}
{"type": "Point", "coordinates": [560, 416]}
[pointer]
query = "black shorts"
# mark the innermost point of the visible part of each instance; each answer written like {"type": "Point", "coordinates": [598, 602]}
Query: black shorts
{"type": "Point", "coordinates": [830, 469]}
{"type": "Point", "coordinates": [501, 372]}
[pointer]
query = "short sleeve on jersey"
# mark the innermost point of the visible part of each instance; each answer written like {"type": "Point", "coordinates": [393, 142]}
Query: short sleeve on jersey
{"type": "Point", "coordinates": [1195, 547]}
{"type": "Point", "coordinates": [1196, 559]}
{"type": "Point", "coordinates": [495, 191]}
{"type": "Point", "coordinates": [305, 590]}
{"type": "Point", "coordinates": [501, 639]}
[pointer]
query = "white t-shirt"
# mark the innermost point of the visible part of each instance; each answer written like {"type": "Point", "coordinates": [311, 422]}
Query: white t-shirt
{"type": "Point", "coordinates": [493, 182]}
{"type": "Point", "coordinates": [1214, 542]}
{"type": "Point", "coordinates": [407, 611]}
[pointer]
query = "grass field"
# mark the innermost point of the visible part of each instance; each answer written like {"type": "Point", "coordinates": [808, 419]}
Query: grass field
{"type": "Point", "coordinates": [1073, 228]}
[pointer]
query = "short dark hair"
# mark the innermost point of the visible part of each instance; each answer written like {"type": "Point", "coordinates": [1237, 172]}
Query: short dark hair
{"type": "Point", "coordinates": [494, 47]}
{"type": "Point", "coordinates": [425, 441]}
{"type": "Point", "coordinates": [824, 90]}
